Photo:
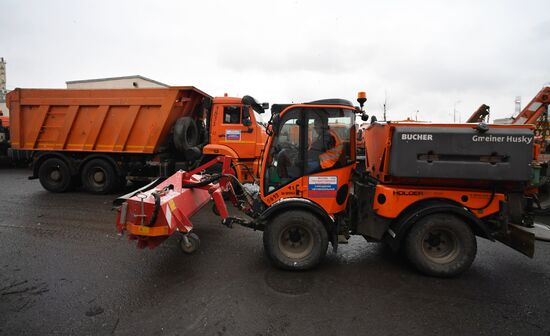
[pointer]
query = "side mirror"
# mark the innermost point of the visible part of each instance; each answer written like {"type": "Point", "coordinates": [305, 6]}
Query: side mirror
{"type": "Point", "coordinates": [249, 100]}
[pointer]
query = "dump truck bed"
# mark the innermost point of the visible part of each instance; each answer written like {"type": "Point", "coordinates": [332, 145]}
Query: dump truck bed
{"type": "Point", "coordinates": [113, 120]}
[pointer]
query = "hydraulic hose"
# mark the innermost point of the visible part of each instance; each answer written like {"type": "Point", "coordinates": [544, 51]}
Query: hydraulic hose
{"type": "Point", "coordinates": [156, 195]}
{"type": "Point", "coordinates": [488, 203]}
{"type": "Point", "coordinates": [156, 210]}
{"type": "Point", "coordinates": [202, 183]}
{"type": "Point", "coordinates": [247, 169]}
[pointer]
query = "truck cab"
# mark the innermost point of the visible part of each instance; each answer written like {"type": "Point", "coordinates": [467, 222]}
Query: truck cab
{"type": "Point", "coordinates": [236, 131]}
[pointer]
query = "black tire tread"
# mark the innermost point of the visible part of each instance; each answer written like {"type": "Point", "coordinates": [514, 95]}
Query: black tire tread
{"type": "Point", "coordinates": [278, 223]}
{"type": "Point", "coordinates": [186, 134]}
{"type": "Point", "coordinates": [113, 180]}
{"type": "Point", "coordinates": [466, 239]}
{"type": "Point", "coordinates": [65, 185]}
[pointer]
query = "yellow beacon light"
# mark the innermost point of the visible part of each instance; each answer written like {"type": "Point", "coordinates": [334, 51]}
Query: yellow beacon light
{"type": "Point", "coordinates": [361, 98]}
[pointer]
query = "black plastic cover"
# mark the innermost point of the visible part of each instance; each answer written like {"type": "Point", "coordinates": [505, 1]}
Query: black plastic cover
{"type": "Point", "coordinates": [278, 108]}
{"type": "Point", "coordinates": [332, 101]}
{"type": "Point", "coordinates": [499, 154]}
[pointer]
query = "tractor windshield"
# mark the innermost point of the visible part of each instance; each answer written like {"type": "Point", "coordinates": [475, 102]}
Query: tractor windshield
{"type": "Point", "coordinates": [308, 140]}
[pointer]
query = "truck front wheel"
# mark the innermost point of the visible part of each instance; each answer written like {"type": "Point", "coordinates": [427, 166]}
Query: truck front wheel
{"type": "Point", "coordinates": [54, 175]}
{"type": "Point", "coordinates": [295, 240]}
{"type": "Point", "coordinates": [441, 245]}
{"type": "Point", "coordinates": [99, 177]}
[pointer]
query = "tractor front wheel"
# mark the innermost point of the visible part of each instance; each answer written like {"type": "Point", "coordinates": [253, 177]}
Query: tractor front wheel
{"type": "Point", "coordinates": [295, 240]}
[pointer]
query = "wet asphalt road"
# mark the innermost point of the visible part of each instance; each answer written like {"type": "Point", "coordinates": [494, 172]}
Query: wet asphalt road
{"type": "Point", "coordinates": [63, 270]}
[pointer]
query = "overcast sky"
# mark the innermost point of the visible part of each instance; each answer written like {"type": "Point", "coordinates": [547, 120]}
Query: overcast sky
{"type": "Point", "coordinates": [428, 56]}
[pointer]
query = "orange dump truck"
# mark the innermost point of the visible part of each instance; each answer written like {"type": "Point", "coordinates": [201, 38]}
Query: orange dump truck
{"type": "Point", "coordinates": [101, 138]}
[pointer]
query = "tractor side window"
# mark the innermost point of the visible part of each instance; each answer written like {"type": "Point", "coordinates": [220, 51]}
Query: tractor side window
{"type": "Point", "coordinates": [284, 159]}
{"type": "Point", "coordinates": [232, 115]}
{"type": "Point", "coordinates": [329, 139]}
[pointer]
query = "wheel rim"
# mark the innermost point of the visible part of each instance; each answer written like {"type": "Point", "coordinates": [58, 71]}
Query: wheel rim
{"type": "Point", "coordinates": [296, 242]}
{"type": "Point", "coordinates": [55, 175]}
{"type": "Point", "coordinates": [440, 245]}
{"type": "Point", "coordinates": [188, 247]}
{"type": "Point", "coordinates": [97, 177]}
{"type": "Point", "coordinates": [192, 243]}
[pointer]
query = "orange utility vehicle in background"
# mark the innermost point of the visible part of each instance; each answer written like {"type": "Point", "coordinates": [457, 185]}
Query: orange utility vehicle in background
{"type": "Point", "coordinates": [101, 138]}
{"type": "Point", "coordinates": [428, 189]}
{"type": "Point", "coordinates": [535, 113]}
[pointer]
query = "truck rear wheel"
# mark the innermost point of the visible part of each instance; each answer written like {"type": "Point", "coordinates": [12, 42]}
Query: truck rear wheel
{"type": "Point", "coordinates": [99, 177]}
{"type": "Point", "coordinates": [54, 175]}
{"type": "Point", "coordinates": [295, 240]}
{"type": "Point", "coordinates": [441, 245]}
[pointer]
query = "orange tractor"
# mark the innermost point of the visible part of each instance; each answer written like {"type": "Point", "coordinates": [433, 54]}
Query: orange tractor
{"type": "Point", "coordinates": [426, 189]}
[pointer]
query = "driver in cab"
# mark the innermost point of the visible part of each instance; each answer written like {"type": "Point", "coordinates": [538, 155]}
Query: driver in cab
{"type": "Point", "coordinates": [325, 151]}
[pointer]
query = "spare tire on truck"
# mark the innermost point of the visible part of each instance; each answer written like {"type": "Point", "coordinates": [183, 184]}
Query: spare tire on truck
{"type": "Point", "coordinates": [186, 134]}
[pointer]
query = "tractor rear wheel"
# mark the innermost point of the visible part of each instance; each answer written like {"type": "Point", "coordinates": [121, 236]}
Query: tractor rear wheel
{"type": "Point", "coordinates": [441, 245]}
{"type": "Point", "coordinates": [295, 240]}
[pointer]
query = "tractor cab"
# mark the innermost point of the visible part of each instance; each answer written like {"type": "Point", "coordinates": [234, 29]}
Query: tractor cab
{"type": "Point", "coordinates": [310, 154]}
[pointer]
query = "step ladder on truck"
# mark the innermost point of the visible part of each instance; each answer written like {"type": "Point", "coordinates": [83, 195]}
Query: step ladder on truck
{"type": "Point", "coordinates": [427, 189]}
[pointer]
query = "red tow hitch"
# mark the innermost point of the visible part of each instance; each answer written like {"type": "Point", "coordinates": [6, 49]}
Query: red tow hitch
{"type": "Point", "coordinates": [153, 213]}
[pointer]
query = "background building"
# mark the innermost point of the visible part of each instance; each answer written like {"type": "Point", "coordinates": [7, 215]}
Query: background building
{"type": "Point", "coordinates": [3, 89]}
{"type": "Point", "coordinates": [125, 82]}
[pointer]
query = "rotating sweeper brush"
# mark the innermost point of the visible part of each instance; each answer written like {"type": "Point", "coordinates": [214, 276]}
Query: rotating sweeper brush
{"type": "Point", "coordinates": [155, 212]}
